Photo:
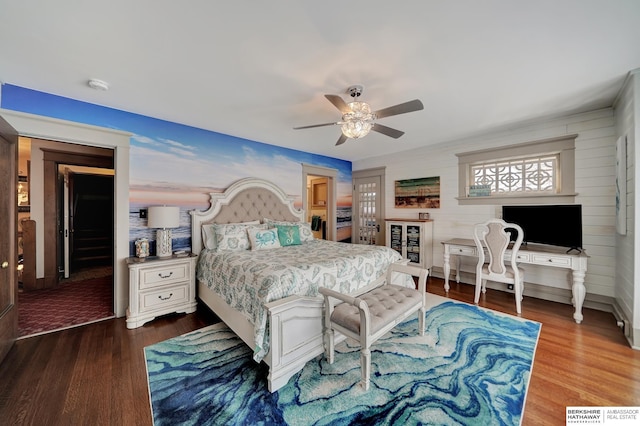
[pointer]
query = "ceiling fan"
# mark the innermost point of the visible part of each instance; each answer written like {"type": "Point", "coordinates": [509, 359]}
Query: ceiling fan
{"type": "Point", "coordinates": [358, 119]}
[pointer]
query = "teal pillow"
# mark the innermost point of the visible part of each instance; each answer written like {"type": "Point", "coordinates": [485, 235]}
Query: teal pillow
{"type": "Point", "coordinates": [288, 235]}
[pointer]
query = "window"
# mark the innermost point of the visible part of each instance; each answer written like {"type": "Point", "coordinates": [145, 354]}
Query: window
{"type": "Point", "coordinates": [534, 174]}
{"type": "Point", "coordinates": [523, 173]}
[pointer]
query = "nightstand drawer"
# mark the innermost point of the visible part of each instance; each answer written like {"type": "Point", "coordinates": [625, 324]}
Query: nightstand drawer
{"type": "Point", "coordinates": [157, 276]}
{"type": "Point", "coordinates": [160, 298]}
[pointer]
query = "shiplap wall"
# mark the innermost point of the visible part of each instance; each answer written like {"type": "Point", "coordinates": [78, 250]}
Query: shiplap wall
{"type": "Point", "coordinates": [627, 111]}
{"type": "Point", "coordinates": [595, 184]}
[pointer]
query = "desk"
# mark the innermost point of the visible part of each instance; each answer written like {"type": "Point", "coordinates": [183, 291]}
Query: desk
{"type": "Point", "coordinates": [534, 254]}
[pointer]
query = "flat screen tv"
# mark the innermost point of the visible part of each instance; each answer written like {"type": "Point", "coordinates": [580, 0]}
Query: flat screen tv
{"type": "Point", "coordinates": [556, 225]}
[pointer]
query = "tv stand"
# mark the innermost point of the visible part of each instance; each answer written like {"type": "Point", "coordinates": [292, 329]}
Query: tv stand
{"type": "Point", "coordinates": [532, 254]}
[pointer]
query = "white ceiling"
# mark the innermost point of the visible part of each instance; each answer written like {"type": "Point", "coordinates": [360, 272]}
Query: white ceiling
{"type": "Point", "coordinates": [256, 69]}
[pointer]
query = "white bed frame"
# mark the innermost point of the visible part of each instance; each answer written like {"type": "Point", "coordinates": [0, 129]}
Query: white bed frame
{"type": "Point", "coordinates": [295, 323]}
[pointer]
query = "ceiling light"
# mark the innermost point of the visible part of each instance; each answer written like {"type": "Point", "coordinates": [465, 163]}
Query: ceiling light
{"type": "Point", "coordinates": [96, 84]}
{"type": "Point", "coordinates": [359, 121]}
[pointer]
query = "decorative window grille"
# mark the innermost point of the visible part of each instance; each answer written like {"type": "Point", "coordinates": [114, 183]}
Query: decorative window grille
{"type": "Point", "coordinates": [518, 176]}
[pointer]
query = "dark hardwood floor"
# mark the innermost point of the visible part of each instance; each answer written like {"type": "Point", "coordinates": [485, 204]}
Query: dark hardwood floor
{"type": "Point", "coordinates": [95, 374]}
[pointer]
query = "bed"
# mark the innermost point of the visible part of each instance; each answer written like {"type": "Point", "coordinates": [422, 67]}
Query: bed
{"type": "Point", "coordinates": [269, 298]}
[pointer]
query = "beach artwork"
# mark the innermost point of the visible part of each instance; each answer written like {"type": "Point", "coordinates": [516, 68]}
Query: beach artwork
{"type": "Point", "coordinates": [418, 193]}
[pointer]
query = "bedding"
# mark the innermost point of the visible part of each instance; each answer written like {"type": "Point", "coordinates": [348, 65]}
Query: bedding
{"type": "Point", "coordinates": [246, 280]}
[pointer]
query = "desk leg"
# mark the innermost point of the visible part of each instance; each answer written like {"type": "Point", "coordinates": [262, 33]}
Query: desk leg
{"type": "Point", "coordinates": [578, 289]}
{"type": "Point", "coordinates": [447, 270]}
{"type": "Point", "coordinates": [458, 269]}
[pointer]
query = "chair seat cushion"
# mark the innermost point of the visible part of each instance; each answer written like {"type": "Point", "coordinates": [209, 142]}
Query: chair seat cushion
{"type": "Point", "coordinates": [508, 273]}
{"type": "Point", "coordinates": [386, 304]}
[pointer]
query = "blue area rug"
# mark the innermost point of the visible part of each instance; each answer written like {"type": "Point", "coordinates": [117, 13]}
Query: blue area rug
{"type": "Point", "coordinates": [472, 367]}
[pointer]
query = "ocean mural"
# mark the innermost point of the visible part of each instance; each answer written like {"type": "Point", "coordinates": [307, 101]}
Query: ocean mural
{"type": "Point", "coordinates": [176, 164]}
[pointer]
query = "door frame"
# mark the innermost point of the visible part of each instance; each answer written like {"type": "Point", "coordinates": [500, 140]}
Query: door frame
{"type": "Point", "coordinates": [332, 177]}
{"type": "Point", "coordinates": [39, 127]}
{"type": "Point", "coordinates": [363, 174]}
{"type": "Point", "coordinates": [51, 158]}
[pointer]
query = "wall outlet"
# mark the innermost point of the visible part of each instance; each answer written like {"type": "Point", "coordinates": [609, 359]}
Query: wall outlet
{"type": "Point", "coordinates": [143, 213]}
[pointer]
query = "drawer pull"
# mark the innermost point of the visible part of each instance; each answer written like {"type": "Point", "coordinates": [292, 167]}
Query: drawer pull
{"type": "Point", "coordinates": [165, 276]}
{"type": "Point", "coordinates": [165, 298]}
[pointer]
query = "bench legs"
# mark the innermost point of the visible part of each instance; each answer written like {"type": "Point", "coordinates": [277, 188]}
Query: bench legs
{"type": "Point", "coordinates": [365, 352]}
{"type": "Point", "coordinates": [365, 366]}
{"type": "Point", "coordinates": [329, 344]}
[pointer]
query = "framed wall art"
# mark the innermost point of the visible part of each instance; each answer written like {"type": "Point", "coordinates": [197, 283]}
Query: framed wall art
{"type": "Point", "coordinates": [418, 193]}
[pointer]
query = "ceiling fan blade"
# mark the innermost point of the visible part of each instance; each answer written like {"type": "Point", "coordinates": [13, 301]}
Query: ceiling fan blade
{"type": "Point", "coordinates": [315, 125]}
{"type": "Point", "coordinates": [342, 139]}
{"type": "Point", "coordinates": [414, 105]}
{"type": "Point", "coordinates": [339, 103]}
{"type": "Point", "coordinates": [387, 130]}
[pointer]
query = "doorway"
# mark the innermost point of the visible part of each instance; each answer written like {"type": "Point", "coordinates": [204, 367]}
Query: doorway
{"type": "Point", "coordinates": [86, 212]}
{"type": "Point", "coordinates": [317, 205]}
{"type": "Point", "coordinates": [368, 197]}
{"type": "Point", "coordinates": [319, 200]}
{"type": "Point", "coordinates": [75, 284]}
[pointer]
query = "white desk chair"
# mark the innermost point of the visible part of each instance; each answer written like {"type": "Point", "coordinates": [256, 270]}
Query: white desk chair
{"type": "Point", "coordinates": [492, 237]}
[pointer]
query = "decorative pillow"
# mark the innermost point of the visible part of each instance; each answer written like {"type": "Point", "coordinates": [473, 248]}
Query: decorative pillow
{"type": "Point", "coordinates": [208, 236]}
{"type": "Point", "coordinates": [305, 228]}
{"type": "Point", "coordinates": [231, 236]}
{"type": "Point", "coordinates": [262, 239]}
{"type": "Point", "coordinates": [209, 233]}
{"type": "Point", "coordinates": [289, 235]}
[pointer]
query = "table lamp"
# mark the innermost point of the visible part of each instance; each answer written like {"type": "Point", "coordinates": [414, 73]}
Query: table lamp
{"type": "Point", "coordinates": [163, 217]}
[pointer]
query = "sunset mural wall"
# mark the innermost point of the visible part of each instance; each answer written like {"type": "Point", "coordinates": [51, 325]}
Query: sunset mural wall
{"type": "Point", "coordinates": [175, 164]}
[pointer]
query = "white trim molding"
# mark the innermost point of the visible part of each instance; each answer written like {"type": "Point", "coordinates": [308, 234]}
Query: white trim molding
{"type": "Point", "coordinates": [35, 126]}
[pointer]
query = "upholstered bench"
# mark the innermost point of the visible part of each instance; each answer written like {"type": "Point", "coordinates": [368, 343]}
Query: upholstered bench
{"type": "Point", "coordinates": [369, 316]}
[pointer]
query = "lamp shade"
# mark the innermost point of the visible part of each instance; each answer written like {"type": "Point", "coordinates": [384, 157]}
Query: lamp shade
{"type": "Point", "coordinates": [164, 217]}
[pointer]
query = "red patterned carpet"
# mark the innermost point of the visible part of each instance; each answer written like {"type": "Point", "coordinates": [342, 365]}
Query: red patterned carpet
{"type": "Point", "coordinates": [70, 304]}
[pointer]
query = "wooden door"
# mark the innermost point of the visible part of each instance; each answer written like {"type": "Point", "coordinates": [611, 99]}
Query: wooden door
{"type": "Point", "coordinates": [8, 237]}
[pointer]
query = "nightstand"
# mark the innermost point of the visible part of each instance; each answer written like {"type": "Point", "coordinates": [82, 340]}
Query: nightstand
{"type": "Point", "coordinates": [160, 285]}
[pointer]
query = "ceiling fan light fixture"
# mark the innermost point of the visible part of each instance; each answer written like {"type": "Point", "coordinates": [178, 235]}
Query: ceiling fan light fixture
{"type": "Point", "coordinates": [358, 122]}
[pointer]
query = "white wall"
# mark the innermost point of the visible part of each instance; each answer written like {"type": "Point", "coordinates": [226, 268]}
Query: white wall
{"type": "Point", "coordinates": [595, 184]}
{"type": "Point", "coordinates": [627, 114]}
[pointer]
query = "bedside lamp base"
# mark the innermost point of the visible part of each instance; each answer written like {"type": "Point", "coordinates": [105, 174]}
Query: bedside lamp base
{"type": "Point", "coordinates": [163, 243]}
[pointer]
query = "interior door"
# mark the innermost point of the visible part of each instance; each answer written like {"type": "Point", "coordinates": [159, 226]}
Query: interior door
{"type": "Point", "coordinates": [67, 220]}
{"type": "Point", "coordinates": [369, 227]}
{"type": "Point", "coordinates": [8, 237]}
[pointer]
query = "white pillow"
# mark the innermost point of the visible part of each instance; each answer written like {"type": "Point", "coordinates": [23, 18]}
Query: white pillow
{"type": "Point", "coordinates": [232, 236]}
{"type": "Point", "coordinates": [209, 233]}
{"type": "Point", "coordinates": [305, 228]}
{"type": "Point", "coordinates": [263, 239]}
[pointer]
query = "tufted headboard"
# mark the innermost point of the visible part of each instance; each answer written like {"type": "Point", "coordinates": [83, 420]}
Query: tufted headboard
{"type": "Point", "coordinates": [245, 200]}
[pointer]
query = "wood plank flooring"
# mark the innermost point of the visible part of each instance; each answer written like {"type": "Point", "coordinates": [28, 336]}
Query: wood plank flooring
{"type": "Point", "coordinates": [95, 374]}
